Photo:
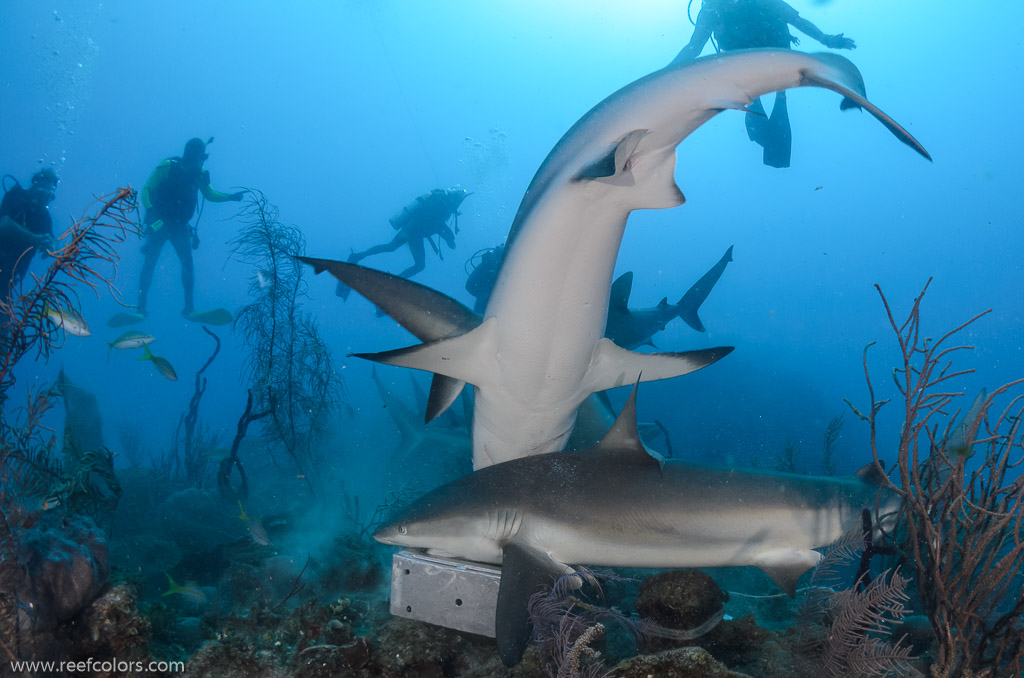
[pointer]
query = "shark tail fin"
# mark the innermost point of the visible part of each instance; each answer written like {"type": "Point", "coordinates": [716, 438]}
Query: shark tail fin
{"type": "Point", "coordinates": [840, 75]}
{"type": "Point", "coordinates": [690, 302]}
{"type": "Point", "coordinates": [688, 314]}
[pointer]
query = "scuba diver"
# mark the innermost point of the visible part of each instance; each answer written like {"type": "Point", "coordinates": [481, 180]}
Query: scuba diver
{"type": "Point", "coordinates": [170, 197]}
{"type": "Point", "coordinates": [486, 263]}
{"type": "Point", "coordinates": [420, 220]}
{"type": "Point", "coordinates": [743, 24]}
{"type": "Point", "coordinates": [25, 226]}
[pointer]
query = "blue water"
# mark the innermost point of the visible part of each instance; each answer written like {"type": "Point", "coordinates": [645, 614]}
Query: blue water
{"type": "Point", "coordinates": [342, 112]}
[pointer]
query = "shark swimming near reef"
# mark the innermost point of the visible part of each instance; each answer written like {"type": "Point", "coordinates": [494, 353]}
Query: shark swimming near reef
{"type": "Point", "coordinates": [540, 350]}
{"type": "Point", "coordinates": [619, 505]}
{"type": "Point", "coordinates": [634, 327]}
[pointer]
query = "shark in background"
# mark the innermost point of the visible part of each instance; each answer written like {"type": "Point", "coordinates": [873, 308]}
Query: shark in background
{"type": "Point", "coordinates": [540, 350]}
{"type": "Point", "coordinates": [619, 505]}
{"type": "Point", "coordinates": [634, 327]}
{"type": "Point", "coordinates": [439, 448]}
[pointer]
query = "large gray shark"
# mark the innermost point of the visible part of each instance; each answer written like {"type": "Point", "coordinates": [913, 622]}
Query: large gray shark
{"type": "Point", "coordinates": [540, 350]}
{"type": "Point", "coordinates": [619, 505]}
{"type": "Point", "coordinates": [634, 327]}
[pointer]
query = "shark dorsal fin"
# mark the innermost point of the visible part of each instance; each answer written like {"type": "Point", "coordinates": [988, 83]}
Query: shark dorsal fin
{"type": "Point", "coordinates": [871, 473]}
{"type": "Point", "coordinates": [623, 438]}
{"type": "Point", "coordinates": [621, 289]}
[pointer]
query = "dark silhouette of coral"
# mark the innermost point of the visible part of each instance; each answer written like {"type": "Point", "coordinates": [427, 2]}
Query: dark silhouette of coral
{"type": "Point", "coordinates": [289, 366]}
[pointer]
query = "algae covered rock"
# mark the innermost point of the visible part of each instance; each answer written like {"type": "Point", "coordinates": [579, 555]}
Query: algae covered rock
{"type": "Point", "coordinates": [112, 627]}
{"type": "Point", "coordinates": [66, 567]}
{"type": "Point", "coordinates": [683, 662]}
{"type": "Point", "coordinates": [680, 599]}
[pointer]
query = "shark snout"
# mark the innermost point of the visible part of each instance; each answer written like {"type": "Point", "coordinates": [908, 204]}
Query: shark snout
{"type": "Point", "coordinates": [384, 535]}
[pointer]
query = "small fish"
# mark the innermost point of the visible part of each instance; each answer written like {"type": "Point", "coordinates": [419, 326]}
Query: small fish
{"type": "Point", "coordinates": [219, 453]}
{"type": "Point", "coordinates": [256, 531]}
{"type": "Point", "coordinates": [190, 591]}
{"type": "Point", "coordinates": [130, 339]}
{"type": "Point", "coordinates": [51, 502]}
{"type": "Point", "coordinates": [68, 319]}
{"type": "Point", "coordinates": [165, 368]}
{"type": "Point", "coordinates": [818, 188]}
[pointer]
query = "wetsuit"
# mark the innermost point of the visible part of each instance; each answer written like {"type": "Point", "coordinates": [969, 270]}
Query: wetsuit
{"type": "Point", "coordinates": [421, 219]}
{"type": "Point", "coordinates": [23, 214]}
{"type": "Point", "coordinates": [170, 197]}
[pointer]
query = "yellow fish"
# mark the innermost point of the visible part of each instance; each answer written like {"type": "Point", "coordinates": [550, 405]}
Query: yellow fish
{"type": "Point", "coordinates": [165, 368]}
{"type": "Point", "coordinates": [67, 319]}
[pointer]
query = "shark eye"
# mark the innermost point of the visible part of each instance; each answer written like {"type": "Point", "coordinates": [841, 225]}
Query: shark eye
{"type": "Point", "coordinates": [401, 529]}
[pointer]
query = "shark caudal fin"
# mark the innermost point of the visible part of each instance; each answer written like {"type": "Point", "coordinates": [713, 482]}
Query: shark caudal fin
{"type": "Point", "coordinates": [698, 293]}
{"type": "Point", "coordinates": [613, 366]}
{"type": "Point", "coordinates": [428, 314]}
{"type": "Point", "coordinates": [840, 75]}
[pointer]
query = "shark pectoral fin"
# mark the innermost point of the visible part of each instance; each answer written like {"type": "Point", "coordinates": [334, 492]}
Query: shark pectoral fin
{"type": "Point", "coordinates": [524, 572]}
{"type": "Point", "coordinates": [614, 166]}
{"type": "Point", "coordinates": [648, 175]}
{"type": "Point", "coordinates": [464, 357]}
{"type": "Point", "coordinates": [428, 314]}
{"type": "Point", "coordinates": [840, 75]}
{"type": "Point", "coordinates": [613, 366]}
{"type": "Point", "coordinates": [621, 289]}
{"type": "Point", "coordinates": [786, 566]}
{"type": "Point", "coordinates": [443, 392]}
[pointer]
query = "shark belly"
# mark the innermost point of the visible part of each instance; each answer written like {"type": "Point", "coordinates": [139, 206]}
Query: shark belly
{"type": "Point", "coordinates": [551, 304]}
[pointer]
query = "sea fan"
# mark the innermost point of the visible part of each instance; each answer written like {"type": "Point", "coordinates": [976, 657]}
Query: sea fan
{"type": "Point", "coordinates": [856, 645]}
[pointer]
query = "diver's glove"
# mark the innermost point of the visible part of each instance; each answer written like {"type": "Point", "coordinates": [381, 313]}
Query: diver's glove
{"type": "Point", "coordinates": [838, 41]}
{"type": "Point", "coordinates": [237, 197]}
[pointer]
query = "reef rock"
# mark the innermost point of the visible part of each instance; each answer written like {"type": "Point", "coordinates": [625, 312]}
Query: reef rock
{"type": "Point", "coordinates": [680, 599]}
{"type": "Point", "coordinates": [111, 628]}
{"type": "Point", "coordinates": [66, 566]}
{"type": "Point", "coordinates": [684, 662]}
